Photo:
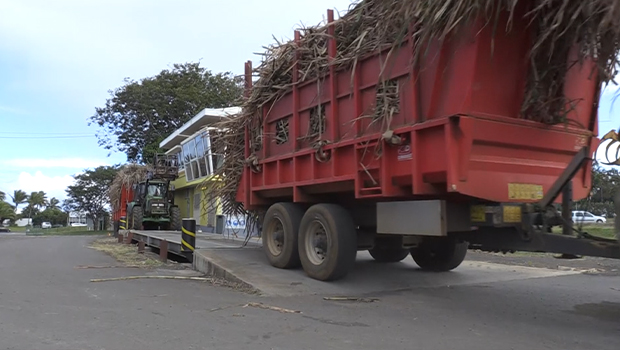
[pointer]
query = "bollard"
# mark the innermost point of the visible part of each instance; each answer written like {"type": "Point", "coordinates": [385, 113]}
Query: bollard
{"type": "Point", "coordinates": [140, 247]}
{"type": "Point", "coordinates": [163, 251]}
{"type": "Point", "coordinates": [120, 238]}
{"type": "Point", "coordinates": [129, 238]}
{"type": "Point", "coordinates": [188, 236]}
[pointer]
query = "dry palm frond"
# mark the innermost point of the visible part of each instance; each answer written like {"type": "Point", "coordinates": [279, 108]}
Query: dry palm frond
{"type": "Point", "coordinates": [126, 177]}
{"type": "Point", "coordinates": [371, 25]}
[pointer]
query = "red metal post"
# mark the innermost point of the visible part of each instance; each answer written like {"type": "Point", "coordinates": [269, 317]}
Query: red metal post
{"type": "Point", "coordinates": [332, 47]}
{"type": "Point", "coordinates": [332, 123]}
{"type": "Point", "coordinates": [295, 105]}
{"type": "Point", "coordinates": [163, 251]}
{"type": "Point", "coordinates": [247, 180]}
{"type": "Point", "coordinates": [294, 123]}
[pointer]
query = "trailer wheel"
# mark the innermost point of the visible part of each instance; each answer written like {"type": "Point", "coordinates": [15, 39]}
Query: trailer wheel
{"type": "Point", "coordinates": [327, 242]}
{"type": "Point", "coordinates": [439, 254]}
{"type": "Point", "coordinates": [280, 233]}
{"type": "Point", "coordinates": [175, 219]}
{"type": "Point", "coordinates": [136, 218]}
{"type": "Point", "coordinates": [388, 255]}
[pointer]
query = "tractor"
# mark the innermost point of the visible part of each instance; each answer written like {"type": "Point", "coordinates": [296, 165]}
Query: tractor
{"type": "Point", "coordinates": [152, 207]}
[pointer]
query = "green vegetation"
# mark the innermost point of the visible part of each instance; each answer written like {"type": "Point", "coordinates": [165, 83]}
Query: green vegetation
{"type": "Point", "coordinates": [604, 231]}
{"type": "Point", "coordinates": [60, 231]}
{"type": "Point", "coordinates": [162, 102]}
{"type": "Point", "coordinates": [89, 193]}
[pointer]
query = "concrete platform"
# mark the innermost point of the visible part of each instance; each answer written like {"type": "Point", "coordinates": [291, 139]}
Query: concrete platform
{"type": "Point", "coordinates": [203, 240]}
{"type": "Point", "coordinates": [249, 266]}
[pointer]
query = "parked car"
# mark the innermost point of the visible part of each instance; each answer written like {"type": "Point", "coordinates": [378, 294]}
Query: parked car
{"type": "Point", "coordinates": [585, 217]}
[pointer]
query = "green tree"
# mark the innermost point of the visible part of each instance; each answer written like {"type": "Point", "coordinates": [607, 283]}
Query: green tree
{"type": "Point", "coordinates": [2, 196]}
{"type": "Point", "coordinates": [53, 203]}
{"type": "Point", "coordinates": [29, 211]}
{"type": "Point", "coordinates": [140, 114]}
{"type": "Point", "coordinates": [6, 212]}
{"type": "Point", "coordinates": [89, 194]}
{"type": "Point", "coordinates": [55, 216]}
{"type": "Point", "coordinates": [19, 197]}
{"type": "Point", "coordinates": [605, 186]}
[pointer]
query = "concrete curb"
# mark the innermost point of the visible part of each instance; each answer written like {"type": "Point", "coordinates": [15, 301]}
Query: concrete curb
{"type": "Point", "coordinates": [207, 265]}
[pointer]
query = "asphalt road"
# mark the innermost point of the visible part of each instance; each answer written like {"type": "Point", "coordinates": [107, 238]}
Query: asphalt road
{"type": "Point", "coordinates": [46, 303]}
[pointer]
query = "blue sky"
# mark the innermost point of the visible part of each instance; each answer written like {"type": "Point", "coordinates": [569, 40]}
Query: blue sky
{"type": "Point", "coordinates": [59, 58]}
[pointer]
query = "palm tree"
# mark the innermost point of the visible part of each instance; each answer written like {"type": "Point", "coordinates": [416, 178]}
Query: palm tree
{"type": "Point", "coordinates": [19, 197]}
{"type": "Point", "coordinates": [37, 200]}
{"type": "Point", "coordinates": [6, 212]}
{"type": "Point", "coordinates": [53, 203]}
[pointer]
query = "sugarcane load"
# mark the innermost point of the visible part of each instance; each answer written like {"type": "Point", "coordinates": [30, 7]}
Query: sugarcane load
{"type": "Point", "coordinates": [422, 128]}
{"type": "Point", "coordinates": [142, 197]}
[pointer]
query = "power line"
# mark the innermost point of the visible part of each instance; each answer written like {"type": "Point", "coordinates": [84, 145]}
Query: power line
{"type": "Point", "coordinates": [47, 137]}
{"type": "Point", "coordinates": [43, 133]}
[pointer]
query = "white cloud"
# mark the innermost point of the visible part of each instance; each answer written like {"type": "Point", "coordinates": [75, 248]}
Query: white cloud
{"type": "Point", "coordinates": [54, 186]}
{"type": "Point", "coordinates": [87, 47]}
{"type": "Point", "coordinates": [68, 163]}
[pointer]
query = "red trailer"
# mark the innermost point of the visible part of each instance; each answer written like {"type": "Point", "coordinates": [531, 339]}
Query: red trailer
{"type": "Point", "coordinates": [119, 210]}
{"type": "Point", "coordinates": [458, 166]}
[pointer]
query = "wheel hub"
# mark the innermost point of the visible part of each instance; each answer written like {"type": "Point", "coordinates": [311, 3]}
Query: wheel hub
{"type": "Point", "coordinates": [275, 237]}
{"type": "Point", "coordinates": [316, 243]}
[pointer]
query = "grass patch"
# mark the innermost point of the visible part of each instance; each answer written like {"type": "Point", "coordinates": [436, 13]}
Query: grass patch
{"type": "Point", "coordinates": [68, 229]}
{"type": "Point", "coordinates": [126, 254]}
{"type": "Point", "coordinates": [600, 231]}
{"type": "Point", "coordinates": [604, 231]}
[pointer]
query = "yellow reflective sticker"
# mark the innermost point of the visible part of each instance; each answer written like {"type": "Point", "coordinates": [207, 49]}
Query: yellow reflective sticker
{"type": "Point", "coordinates": [512, 214]}
{"type": "Point", "coordinates": [478, 213]}
{"type": "Point", "coordinates": [525, 191]}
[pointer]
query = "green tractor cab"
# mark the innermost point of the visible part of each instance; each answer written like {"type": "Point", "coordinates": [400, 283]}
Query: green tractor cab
{"type": "Point", "coordinates": [152, 207]}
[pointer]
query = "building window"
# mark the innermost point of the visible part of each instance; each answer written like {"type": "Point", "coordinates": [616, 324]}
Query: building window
{"type": "Point", "coordinates": [188, 172]}
{"type": "Point", "coordinates": [195, 170]}
{"type": "Point", "coordinates": [197, 157]}
{"type": "Point", "coordinates": [200, 149]}
{"type": "Point", "coordinates": [202, 166]}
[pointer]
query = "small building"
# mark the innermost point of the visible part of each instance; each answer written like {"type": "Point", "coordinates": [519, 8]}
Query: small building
{"type": "Point", "coordinates": [80, 219]}
{"type": "Point", "coordinates": [23, 222]}
{"type": "Point", "coordinates": [192, 143]}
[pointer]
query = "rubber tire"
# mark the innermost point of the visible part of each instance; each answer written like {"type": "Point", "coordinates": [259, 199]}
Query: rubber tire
{"type": "Point", "coordinates": [342, 251]}
{"type": "Point", "coordinates": [439, 255]}
{"type": "Point", "coordinates": [175, 219]}
{"type": "Point", "coordinates": [136, 218]}
{"type": "Point", "coordinates": [388, 255]}
{"type": "Point", "coordinates": [290, 215]}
